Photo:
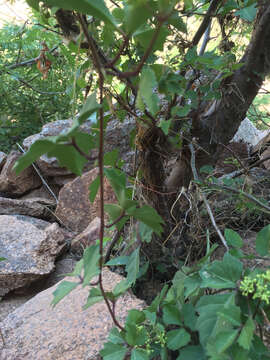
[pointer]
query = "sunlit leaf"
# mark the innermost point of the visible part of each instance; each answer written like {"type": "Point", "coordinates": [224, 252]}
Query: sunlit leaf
{"type": "Point", "coordinates": [247, 13]}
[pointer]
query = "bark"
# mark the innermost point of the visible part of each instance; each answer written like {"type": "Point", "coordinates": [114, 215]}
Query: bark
{"type": "Point", "coordinates": [239, 90]}
{"type": "Point", "coordinates": [221, 121]}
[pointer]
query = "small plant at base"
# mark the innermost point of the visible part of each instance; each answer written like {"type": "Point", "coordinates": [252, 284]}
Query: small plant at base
{"type": "Point", "coordinates": [258, 287]}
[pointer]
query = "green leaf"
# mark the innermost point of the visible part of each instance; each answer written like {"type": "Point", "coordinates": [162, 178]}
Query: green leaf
{"type": "Point", "coordinates": [165, 126]}
{"type": "Point", "coordinates": [84, 141]}
{"type": "Point", "coordinates": [212, 352]}
{"type": "Point", "coordinates": [165, 6]}
{"type": "Point", "coordinates": [237, 352]}
{"type": "Point", "coordinates": [231, 314]}
{"type": "Point", "coordinates": [222, 274]}
{"type": "Point", "coordinates": [132, 267]}
{"type": "Point", "coordinates": [114, 210]}
{"type": "Point", "coordinates": [77, 270]}
{"type": "Point", "coordinates": [208, 306]}
{"type": "Point", "coordinates": [145, 232]}
{"type": "Point", "coordinates": [135, 316]}
{"type": "Point", "coordinates": [192, 283]}
{"type": "Point", "coordinates": [176, 21]}
{"type": "Point", "coordinates": [37, 149]}
{"type": "Point", "coordinates": [135, 335]}
{"type": "Point", "coordinates": [63, 289]}
{"type": "Point", "coordinates": [188, 4]}
{"type": "Point", "coordinates": [148, 216]}
{"type": "Point", "coordinates": [115, 336]}
{"type": "Point", "coordinates": [158, 300]}
{"type": "Point", "coordinates": [93, 189]}
{"type": "Point", "coordinates": [260, 349]}
{"type": "Point", "coordinates": [94, 297]}
{"type": "Point", "coordinates": [90, 263]}
{"type": "Point", "coordinates": [90, 106]}
{"type": "Point", "coordinates": [247, 333]}
{"type": "Point", "coordinates": [179, 286]}
{"type": "Point", "coordinates": [2, 259]}
{"type": "Point", "coordinates": [181, 111]}
{"type": "Point", "coordinates": [68, 157]}
{"type": "Point", "coordinates": [136, 14]}
{"type": "Point", "coordinates": [117, 179]}
{"type": "Point", "coordinates": [139, 102]}
{"type": "Point", "coordinates": [224, 340]}
{"type": "Point", "coordinates": [118, 14]}
{"type": "Point", "coordinates": [147, 86]}
{"type": "Point", "coordinates": [177, 339]}
{"type": "Point", "coordinates": [233, 238]}
{"type": "Point", "coordinates": [119, 260]}
{"type": "Point", "coordinates": [113, 351]}
{"type": "Point", "coordinates": [33, 4]}
{"type": "Point", "coordinates": [111, 157]}
{"type": "Point", "coordinates": [263, 241]}
{"type": "Point", "coordinates": [144, 35]}
{"type": "Point", "coordinates": [206, 169]}
{"type": "Point", "coordinates": [139, 354]}
{"type": "Point", "coordinates": [121, 287]}
{"type": "Point", "coordinates": [171, 315]}
{"type": "Point", "coordinates": [191, 353]}
{"type": "Point", "coordinates": [189, 316]}
{"type": "Point", "coordinates": [247, 13]}
{"type": "Point", "coordinates": [143, 269]}
{"type": "Point", "coordinates": [96, 8]}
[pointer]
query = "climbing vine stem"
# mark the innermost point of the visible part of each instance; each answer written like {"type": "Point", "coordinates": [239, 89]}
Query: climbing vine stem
{"type": "Point", "coordinates": [100, 72]}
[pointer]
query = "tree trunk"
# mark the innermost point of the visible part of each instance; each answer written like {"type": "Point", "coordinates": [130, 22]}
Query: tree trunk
{"type": "Point", "coordinates": [220, 124]}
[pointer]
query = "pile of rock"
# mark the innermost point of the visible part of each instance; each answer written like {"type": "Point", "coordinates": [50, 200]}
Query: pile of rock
{"type": "Point", "coordinates": [38, 223]}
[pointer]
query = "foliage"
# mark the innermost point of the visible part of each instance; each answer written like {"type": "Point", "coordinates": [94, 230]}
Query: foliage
{"type": "Point", "coordinates": [211, 310]}
{"type": "Point", "coordinates": [27, 101]}
{"type": "Point", "coordinates": [184, 318]}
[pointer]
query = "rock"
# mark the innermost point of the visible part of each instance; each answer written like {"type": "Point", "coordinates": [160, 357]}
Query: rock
{"type": "Point", "coordinates": [61, 180]}
{"type": "Point", "coordinates": [30, 247]}
{"type": "Point", "coordinates": [87, 237]}
{"type": "Point", "coordinates": [66, 332]}
{"type": "Point", "coordinates": [248, 133]}
{"type": "Point", "coordinates": [43, 193]}
{"type": "Point", "coordinates": [266, 154]}
{"type": "Point", "coordinates": [3, 158]}
{"type": "Point", "coordinates": [38, 208]}
{"type": "Point", "coordinates": [262, 144]}
{"type": "Point", "coordinates": [13, 184]}
{"type": "Point", "coordinates": [117, 137]}
{"type": "Point", "coordinates": [74, 208]}
{"type": "Point", "coordinates": [50, 166]}
{"type": "Point", "coordinates": [11, 302]}
{"type": "Point", "coordinates": [64, 265]}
